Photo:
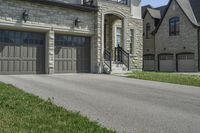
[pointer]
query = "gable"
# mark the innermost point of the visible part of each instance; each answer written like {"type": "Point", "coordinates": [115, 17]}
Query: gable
{"type": "Point", "coordinates": [185, 8]}
{"type": "Point", "coordinates": [174, 10]}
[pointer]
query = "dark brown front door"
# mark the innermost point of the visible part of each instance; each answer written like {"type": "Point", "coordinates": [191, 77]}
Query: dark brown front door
{"type": "Point", "coordinates": [72, 54]}
{"type": "Point", "coordinates": [21, 52]}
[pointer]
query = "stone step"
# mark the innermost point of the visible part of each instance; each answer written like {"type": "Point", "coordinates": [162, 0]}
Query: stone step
{"type": "Point", "coordinates": [116, 68]}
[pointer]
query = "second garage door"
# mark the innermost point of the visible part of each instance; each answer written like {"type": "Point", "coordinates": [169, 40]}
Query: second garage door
{"type": "Point", "coordinates": [186, 63]}
{"type": "Point", "coordinates": [72, 54]}
{"type": "Point", "coordinates": [166, 63]}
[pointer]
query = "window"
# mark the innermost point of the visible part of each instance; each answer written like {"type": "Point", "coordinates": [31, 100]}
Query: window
{"type": "Point", "coordinates": [123, 1]}
{"type": "Point", "coordinates": [118, 37]}
{"type": "Point", "coordinates": [174, 26]}
{"type": "Point", "coordinates": [132, 37]}
{"type": "Point", "coordinates": [148, 28]}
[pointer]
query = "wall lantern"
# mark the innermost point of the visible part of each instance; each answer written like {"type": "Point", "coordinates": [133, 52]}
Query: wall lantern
{"type": "Point", "coordinates": [77, 22]}
{"type": "Point", "coordinates": [25, 16]}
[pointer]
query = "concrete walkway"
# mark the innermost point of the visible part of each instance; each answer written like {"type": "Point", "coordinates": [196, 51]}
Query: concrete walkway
{"type": "Point", "coordinates": [133, 106]}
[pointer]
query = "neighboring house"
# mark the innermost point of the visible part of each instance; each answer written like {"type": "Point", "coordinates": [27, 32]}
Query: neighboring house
{"type": "Point", "coordinates": [151, 18]}
{"type": "Point", "coordinates": [69, 36]}
{"type": "Point", "coordinates": [177, 37]}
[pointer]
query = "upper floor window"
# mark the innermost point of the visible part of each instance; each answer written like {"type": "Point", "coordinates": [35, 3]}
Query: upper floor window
{"type": "Point", "coordinates": [174, 26]}
{"type": "Point", "coordinates": [148, 28]}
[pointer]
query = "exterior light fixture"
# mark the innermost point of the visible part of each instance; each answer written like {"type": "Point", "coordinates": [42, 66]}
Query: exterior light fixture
{"type": "Point", "coordinates": [77, 22]}
{"type": "Point", "coordinates": [25, 16]}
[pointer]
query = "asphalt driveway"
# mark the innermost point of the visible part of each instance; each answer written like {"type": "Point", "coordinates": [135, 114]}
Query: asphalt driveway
{"type": "Point", "coordinates": [133, 106]}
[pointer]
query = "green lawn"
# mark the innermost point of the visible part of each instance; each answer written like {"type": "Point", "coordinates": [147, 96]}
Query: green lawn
{"type": "Point", "coordinates": [22, 112]}
{"type": "Point", "coordinates": [167, 77]}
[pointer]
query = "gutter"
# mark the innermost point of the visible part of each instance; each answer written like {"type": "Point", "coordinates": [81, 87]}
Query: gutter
{"type": "Point", "coordinates": [65, 5]}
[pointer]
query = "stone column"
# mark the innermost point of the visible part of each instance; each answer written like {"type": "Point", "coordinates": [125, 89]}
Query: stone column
{"type": "Point", "coordinates": [50, 52]}
{"type": "Point", "coordinates": [124, 35]}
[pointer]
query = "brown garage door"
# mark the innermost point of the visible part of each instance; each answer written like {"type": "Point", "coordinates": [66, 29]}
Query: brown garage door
{"type": "Point", "coordinates": [72, 54]}
{"type": "Point", "coordinates": [21, 52]}
{"type": "Point", "coordinates": [186, 63]}
{"type": "Point", "coordinates": [166, 63]}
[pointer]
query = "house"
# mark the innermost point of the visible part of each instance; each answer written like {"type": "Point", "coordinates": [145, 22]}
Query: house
{"type": "Point", "coordinates": [176, 37]}
{"type": "Point", "coordinates": [151, 18]}
{"type": "Point", "coordinates": [69, 36]}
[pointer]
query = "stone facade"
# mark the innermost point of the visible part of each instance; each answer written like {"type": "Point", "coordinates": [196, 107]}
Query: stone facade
{"type": "Point", "coordinates": [185, 42]}
{"type": "Point", "coordinates": [58, 20]}
{"type": "Point", "coordinates": [128, 23]}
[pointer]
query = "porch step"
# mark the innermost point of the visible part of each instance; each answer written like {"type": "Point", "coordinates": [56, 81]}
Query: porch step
{"type": "Point", "coordinates": [117, 68]}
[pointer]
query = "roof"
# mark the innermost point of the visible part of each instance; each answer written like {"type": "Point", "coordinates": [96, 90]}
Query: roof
{"type": "Point", "coordinates": [156, 13]}
{"type": "Point", "coordinates": [195, 4]}
{"type": "Point", "coordinates": [162, 9]}
{"type": "Point", "coordinates": [145, 7]}
{"type": "Point", "coordinates": [188, 9]}
{"type": "Point", "coordinates": [65, 5]}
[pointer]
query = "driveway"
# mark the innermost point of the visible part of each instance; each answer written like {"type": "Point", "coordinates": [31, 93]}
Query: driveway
{"type": "Point", "coordinates": [133, 106]}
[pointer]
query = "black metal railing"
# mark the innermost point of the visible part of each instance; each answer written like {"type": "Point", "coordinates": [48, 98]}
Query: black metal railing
{"type": "Point", "coordinates": [108, 59]}
{"type": "Point", "coordinates": [122, 56]}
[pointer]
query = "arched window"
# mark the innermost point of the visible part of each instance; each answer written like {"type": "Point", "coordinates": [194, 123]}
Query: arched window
{"type": "Point", "coordinates": [174, 26]}
{"type": "Point", "coordinates": [148, 28]}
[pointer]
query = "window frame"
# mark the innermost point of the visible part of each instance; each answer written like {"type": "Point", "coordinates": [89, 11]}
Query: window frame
{"type": "Point", "coordinates": [132, 40]}
{"type": "Point", "coordinates": [174, 26]}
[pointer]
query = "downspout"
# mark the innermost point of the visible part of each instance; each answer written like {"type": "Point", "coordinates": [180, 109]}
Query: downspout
{"type": "Point", "coordinates": [198, 37]}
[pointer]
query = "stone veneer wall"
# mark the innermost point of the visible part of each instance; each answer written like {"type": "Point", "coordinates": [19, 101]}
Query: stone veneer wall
{"type": "Point", "coordinates": [130, 23]}
{"type": "Point", "coordinates": [51, 20]}
{"type": "Point", "coordinates": [176, 44]}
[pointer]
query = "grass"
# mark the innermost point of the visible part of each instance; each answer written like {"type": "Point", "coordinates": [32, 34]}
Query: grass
{"type": "Point", "coordinates": [22, 112]}
{"type": "Point", "coordinates": [191, 80]}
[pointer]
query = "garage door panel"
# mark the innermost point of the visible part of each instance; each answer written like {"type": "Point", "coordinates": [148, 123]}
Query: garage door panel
{"type": "Point", "coordinates": [149, 65]}
{"type": "Point", "coordinates": [166, 63]}
{"type": "Point", "coordinates": [30, 52]}
{"type": "Point", "coordinates": [5, 65]}
{"type": "Point", "coordinates": [17, 51]}
{"type": "Point", "coordinates": [11, 66]}
{"type": "Point", "coordinates": [17, 66]}
{"type": "Point", "coordinates": [186, 63]}
{"type": "Point", "coordinates": [11, 51]}
{"type": "Point", "coordinates": [5, 51]}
